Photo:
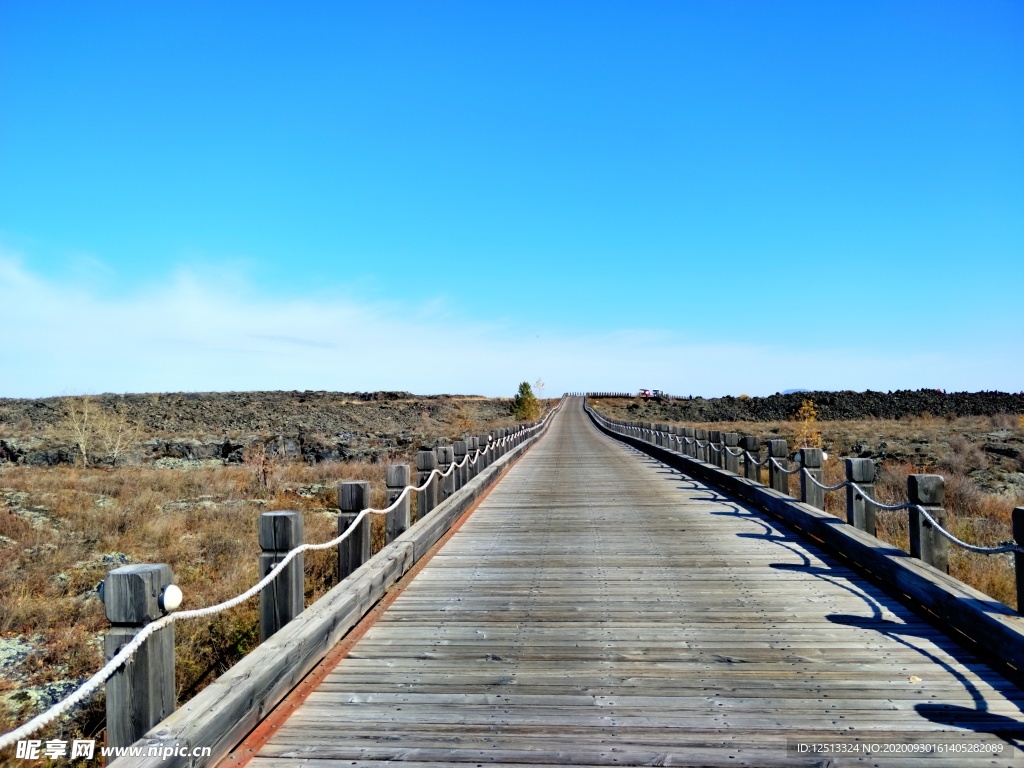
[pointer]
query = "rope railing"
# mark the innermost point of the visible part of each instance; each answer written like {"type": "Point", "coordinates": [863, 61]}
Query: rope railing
{"type": "Point", "coordinates": [999, 549]}
{"type": "Point", "coordinates": [87, 689]}
{"type": "Point", "coordinates": [804, 472]}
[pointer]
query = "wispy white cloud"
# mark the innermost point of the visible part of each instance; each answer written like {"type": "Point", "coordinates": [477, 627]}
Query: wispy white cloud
{"type": "Point", "coordinates": [212, 332]}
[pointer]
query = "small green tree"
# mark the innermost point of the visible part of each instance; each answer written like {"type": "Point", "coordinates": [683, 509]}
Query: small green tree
{"type": "Point", "coordinates": [524, 405]}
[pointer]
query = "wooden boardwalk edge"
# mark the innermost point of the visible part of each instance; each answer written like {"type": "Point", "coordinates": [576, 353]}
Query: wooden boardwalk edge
{"type": "Point", "coordinates": [979, 622]}
{"type": "Point", "coordinates": [221, 715]}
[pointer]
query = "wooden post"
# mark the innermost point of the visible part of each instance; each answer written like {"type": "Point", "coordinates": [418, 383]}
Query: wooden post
{"type": "Point", "coordinates": [284, 598]}
{"type": "Point", "coordinates": [140, 693]}
{"type": "Point", "coordinates": [353, 498]}
{"type": "Point", "coordinates": [860, 513]}
{"type": "Point", "coordinates": [702, 436]}
{"type": "Point", "coordinates": [473, 467]}
{"type": "Point", "coordinates": [811, 460]}
{"type": "Point", "coordinates": [460, 473]}
{"type": "Point", "coordinates": [689, 448]}
{"type": "Point", "coordinates": [444, 454]}
{"type": "Point", "coordinates": [426, 500]}
{"type": "Point", "coordinates": [396, 477]}
{"type": "Point", "coordinates": [715, 454]}
{"type": "Point", "coordinates": [926, 542]}
{"type": "Point", "coordinates": [777, 479]}
{"type": "Point", "coordinates": [485, 458]}
{"type": "Point", "coordinates": [752, 445]}
{"type": "Point", "coordinates": [731, 441]}
{"type": "Point", "coordinates": [1018, 558]}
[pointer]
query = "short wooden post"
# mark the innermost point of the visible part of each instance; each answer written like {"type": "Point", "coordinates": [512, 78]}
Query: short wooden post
{"type": "Point", "coordinates": [752, 445]}
{"type": "Point", "coordinates": [284, 597]}
{"type": "Point", "coordinates": [702, 451]}
{"type": "Point", "coordinates": [485, 458]}
{"type": "Point", "coordinates": [353, 498]}
{"type": "Point", "coordinates": [396, 478]}
{"type": "Point", "coordinates": [460, 472]}
{"type": "Point", "coordinates": [689, 447]}
{"type": "Point", "coordinates": [860, 512]}
{"type": "Point", "coordinates": [473, 467]}
{"type": "Point", "coordinates": [1018, 558]}
{"type": "Point", "coordinates": [731, 442]}
{"type": "Point", "coordinates": [426, 500]}
{"type": "Point", "coordinates": [777, 479]}
{"type": "Point", "coordinates": [715, 453]}
{"type": "Point", "coordinates": [811, 460]}
{"type": "Point", "coordinates": [502, 446]}
{"type": "Point", "coordinates": [140, 693]}
{"type": "Point", "coordinates": [926, 542]}
{"type": "Point", "coordinates": [444, 454]}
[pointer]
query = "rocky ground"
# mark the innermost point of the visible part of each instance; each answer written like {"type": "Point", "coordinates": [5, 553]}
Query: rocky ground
{"type": "Point", "coordinates": [197, 426]}
{"type": "Point", "coordinates": [977, 434]}
{"type": "Point", "coordinates": [833, 406]}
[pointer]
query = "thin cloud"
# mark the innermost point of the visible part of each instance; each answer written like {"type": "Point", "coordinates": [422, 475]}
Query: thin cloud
{"type": "Point", "coordinates": [214, 333]}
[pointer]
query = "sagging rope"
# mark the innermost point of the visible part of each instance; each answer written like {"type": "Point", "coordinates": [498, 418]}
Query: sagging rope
{"type": "Point", "coordinates": [1001, 548]}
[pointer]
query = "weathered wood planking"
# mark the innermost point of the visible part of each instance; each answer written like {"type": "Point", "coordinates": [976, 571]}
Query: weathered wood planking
{"type": "Point", "coordinates": [226, 711]}
{"type": "Point", "coordinates": [601, 609]}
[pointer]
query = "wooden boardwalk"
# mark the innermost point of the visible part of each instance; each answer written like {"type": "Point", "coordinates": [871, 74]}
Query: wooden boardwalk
{"type": "Point", "coordinates": [599, 608]}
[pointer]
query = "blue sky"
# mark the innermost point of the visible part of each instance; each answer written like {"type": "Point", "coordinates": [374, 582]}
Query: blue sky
{"type": "Point", "coordinates": [707, 197]}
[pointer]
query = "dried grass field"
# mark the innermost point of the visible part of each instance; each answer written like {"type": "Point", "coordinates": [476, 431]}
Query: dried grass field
{"type": "Point", "coordinates": [65, 521]}
{"type": "Point", "coordinates": [64, 525]}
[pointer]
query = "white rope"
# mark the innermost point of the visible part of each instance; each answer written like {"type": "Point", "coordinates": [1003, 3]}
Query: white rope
{"type": "Point", "coordinates": [1001, 548]}
{"type": "Point", "coordinates": [90, 686]}
{"type": "Point", "coordinates": [750, 457]}
{"type": "Point", "coordinates": [1006, 546]}
{"type": "Point", "coordinates": [731, 452]}
{"type": "Point", "coordinates": [781, 468]}
{"type": "Point", "coordinates": [814, 480]}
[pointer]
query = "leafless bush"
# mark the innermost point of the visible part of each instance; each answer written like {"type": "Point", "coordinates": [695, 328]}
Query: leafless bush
{"type": "Point", "coordinates": [96, 432]}
{"type": "Point", "coordinates": [964, 456]}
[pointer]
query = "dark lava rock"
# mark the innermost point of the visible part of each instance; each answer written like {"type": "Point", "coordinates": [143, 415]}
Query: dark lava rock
{"type": "Point", "coordinates": [833, 406]}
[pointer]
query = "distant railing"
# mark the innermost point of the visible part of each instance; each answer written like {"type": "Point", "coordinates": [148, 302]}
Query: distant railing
{"type": "Point", "coordinates": [921, 580]}
{"type": "Point", "coordinates": [140, 600]}
{"type": "Point", "coordinates": [925, 492]}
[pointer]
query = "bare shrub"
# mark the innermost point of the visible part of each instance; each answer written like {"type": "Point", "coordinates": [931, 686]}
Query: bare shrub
{"type": "Point", "coordinates": [964, 456]}
{"type": "Point", "coordinates": [1006, 421]}
{"type": "Point", "coordinates": [96, 432]}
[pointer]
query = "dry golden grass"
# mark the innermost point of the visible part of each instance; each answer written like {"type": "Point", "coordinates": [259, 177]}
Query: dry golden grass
{"type": "Point", "coordinates": [65, 527]}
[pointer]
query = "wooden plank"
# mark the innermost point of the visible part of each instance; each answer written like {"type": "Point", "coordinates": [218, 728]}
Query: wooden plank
{"type": "Point", "coordinates": [598, 609]}
{"type": "Point", "coordinates": [222, 714]}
